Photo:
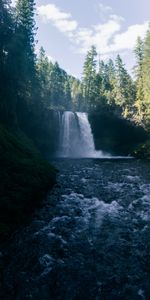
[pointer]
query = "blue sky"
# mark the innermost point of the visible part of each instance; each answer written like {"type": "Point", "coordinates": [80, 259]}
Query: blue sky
{"type": "Point", "coordinates": [67, 29]}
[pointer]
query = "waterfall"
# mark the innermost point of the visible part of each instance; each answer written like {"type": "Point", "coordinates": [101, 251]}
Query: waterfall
{"type": "Point", "coordinates": [76, 138]}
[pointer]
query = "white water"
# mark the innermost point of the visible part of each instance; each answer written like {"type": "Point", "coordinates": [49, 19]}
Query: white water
{"type": "Point", "coordinates": [76, 138]}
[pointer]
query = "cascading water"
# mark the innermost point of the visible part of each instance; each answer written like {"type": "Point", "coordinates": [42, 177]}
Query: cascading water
{"type": "Point", "coordinates": [87, 140]}
{"type": "Point", "coordinates": [76, 138]}
{"type": "Point", "coordinates": [68, 130]}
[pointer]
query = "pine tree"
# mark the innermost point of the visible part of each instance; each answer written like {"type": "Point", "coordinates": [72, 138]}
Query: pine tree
{"type": "Point", "coordinates": [107, 73]}
{"type": "Point", "coordinates": [77, 94]}
{"type": "Point", "coordinates": [125, 90]}
{"type": "Point", "coordinates": [25, 42]}
{"type": "Point", "coordinates": [6, 74]}
{"type": "Point", "coordinates": [89, 76]}
{"type": "Point", "coordinates": [106, 76]}
{"type": "Point", "coordinates": [138, 70]}
{"type": "Point", "coordinates": [146, 78]}
{"type": "Point", "coordinates": [5, 29]}
{"type": "Point", "coordinates": [57, 82]}
{"type": "Point", "coordinates": [44, 68]}
{"type": "Point", "coordinates": [110, 94]}
{"type": "Point", "coordinates": [67, 95]}
{"type": "Point", "coordinates": [25, 10]}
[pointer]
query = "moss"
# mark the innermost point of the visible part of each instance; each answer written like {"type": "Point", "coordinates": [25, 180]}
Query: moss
{"type": "Point", "coordinates": [143, 150]}
{"type": "Point", "coordinates": [24, 176]}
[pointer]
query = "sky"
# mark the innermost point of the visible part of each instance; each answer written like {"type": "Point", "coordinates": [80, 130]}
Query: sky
{"type": "Point", "coordinates": [68, 28]}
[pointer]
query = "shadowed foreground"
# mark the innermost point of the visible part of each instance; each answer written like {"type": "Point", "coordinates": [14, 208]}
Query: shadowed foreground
{"type": "Point", "coordinates": [91, 240]}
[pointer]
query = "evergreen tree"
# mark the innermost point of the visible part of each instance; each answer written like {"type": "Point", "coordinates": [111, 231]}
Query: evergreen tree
{"type": "Point", "coordinates": [110, 93]}
{"type": "Point", "coordinates": [146, 78]}
{"type": "Point", "coordinates": [77, 94]}
{"type": "Point", "coordinates": [138, 70]}
{"type": "Point", "coordinates": [67, 95]}
{"type": "Point", "coordinates": [57, 82]}
{"type": "Point", "coordinates": [5, 30]}
{"type": "Point", "coordinates": [108, 80]}
{"type": "Point", "coordinates": [25, 10]}
{"type": "Point", "coordinates": [107, 83]}
{"type": "Point", "coordinates": [24, 46]}
{"type": "Point", "coordinates": [124, 90]}
{"type": "Point", "coordinates": [6, 66]}
{"type": "Point", "coordinates": [44, 68]}
{"type": "Point", "coordinates": [89, 76]}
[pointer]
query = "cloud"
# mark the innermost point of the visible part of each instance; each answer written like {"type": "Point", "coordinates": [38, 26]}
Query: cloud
{"type": "Point", "coordinates": [105, 8]}
{"type": "Point", "coordinates": [107, 36]}
{"type": "Point", "coordinates": [99, 35]}
{"type": "Point", "coordinates": [104, 11]}
{"type": "Point", "coordinates": [127, 39]}
{"type": "Point", "coordinates": [61, 20]}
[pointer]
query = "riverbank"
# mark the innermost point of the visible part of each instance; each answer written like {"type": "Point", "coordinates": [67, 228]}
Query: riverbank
{"type": "Point", "coordinates": [90, 240]}
{"type": "Point", "coordinates": [25, 178]}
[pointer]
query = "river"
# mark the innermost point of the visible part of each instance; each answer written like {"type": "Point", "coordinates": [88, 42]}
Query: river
{"type": "Point", "coordinates": [91, 238]}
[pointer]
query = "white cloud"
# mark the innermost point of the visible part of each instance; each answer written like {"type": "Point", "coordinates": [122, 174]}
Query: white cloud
{"type": "Point", "coordinates": [105, 8]}
{"type": "Point", "coordinates": [66, 25]}
{"type": "Point", "coordinates": [107, 36]}
{"type": "Point", "coordinates": [99, 35]}
{"type": "Point", "coordinates": [61, 20]}
{"type": "Point", "coordinates": [127, 39]}
{"type": "Point", "coordinates": [51, 12]}
{"type": "Point", "coordinates": [116, 18]}
{"type": "Point", "coordinates": [104, 11]}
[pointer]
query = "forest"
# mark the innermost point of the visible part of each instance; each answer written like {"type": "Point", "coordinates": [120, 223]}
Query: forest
{"type": "Point", "coordinates": [32, 87]}
{"type": "Point", "coordinates": [73, 226]}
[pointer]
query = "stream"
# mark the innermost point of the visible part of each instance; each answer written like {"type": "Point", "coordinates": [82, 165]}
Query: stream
{"type": "Point", "coordinates": [89, 241]}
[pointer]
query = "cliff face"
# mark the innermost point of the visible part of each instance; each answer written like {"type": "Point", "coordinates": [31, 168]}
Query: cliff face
{"type": "Point", "coordinates": [116, 135]}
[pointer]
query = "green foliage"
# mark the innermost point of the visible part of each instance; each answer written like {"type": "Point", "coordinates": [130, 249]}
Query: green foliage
{"type": "Point", "coordinates": [6, 72]}
{"type": "Point", "coordinates": [17, 58]}
{"type": "Point", "coordinates": [146, 79]}
{"type": "Point", "coordinates": [32, 86]}
{"type": "Point", "coordinates": [107, 82]}
{"type": "Point", "coordinates": [142, 72]}
{"type": "Point", "coordinates": [138, 70]}
{"type": "Point", "coordinates": [44, 67]}
{"type": "Point", "coordinates": [24, 45]}
{"type": "Point", "coordinates": [25, 177]}
{"type": "Point", "coordinates": [89, 79]}
{"type": "Point", "coordinates": [124, 89]}
{"type": "Point", "coordinates": [55, 87]}
{"type": "Point", "coordinates": [117, 98]}
{"type": "Point", "coordinates": [36, 84]}
{"type": "Point", "coordinates": [110, 86]}
{"type": "Point", "coordinates": [113, 134]}
{"type": "Point", "coordinates": [143, 150]}
{"type": "Point", "coordinates": [76, 94]}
